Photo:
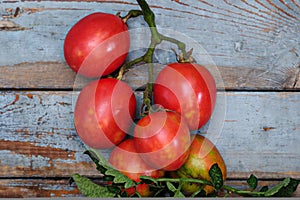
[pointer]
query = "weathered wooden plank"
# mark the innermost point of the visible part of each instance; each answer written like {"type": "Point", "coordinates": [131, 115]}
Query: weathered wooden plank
{"type": "Point", "coordinates": [251, 41]}
{"type": "Point", "coordinates": [41, 75]}
{"type": "Point", "coordinates": [256, 132]}
{"type": "Point", "coordinates": [30, 188]}
{"type": "Point", "coordinates": [55, 75]}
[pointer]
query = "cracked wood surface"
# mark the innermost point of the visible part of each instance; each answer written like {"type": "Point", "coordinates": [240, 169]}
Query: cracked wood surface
{"type": "Point", "coordinates": [251, 47]}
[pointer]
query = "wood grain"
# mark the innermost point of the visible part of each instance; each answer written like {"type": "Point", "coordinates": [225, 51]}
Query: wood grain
{"type": "Point", "coordinates": [254, 43]}
{"type": "Point", "coordinates": [256, 133]}
{"type": "Point", "coordinates": [58, 76]}
{"type": "Point", "coordinates": [36, 188]}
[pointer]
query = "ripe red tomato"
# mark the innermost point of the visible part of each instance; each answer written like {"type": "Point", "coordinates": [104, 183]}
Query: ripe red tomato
{"type": "Point", "coordinates": [97, 44]}
{"type": "Point", "coordinates": [103, 113]}
{"type": "Point", "coordinates": [125, 158]}
{"type": "Point", "coordinates": [203, 154]}
{"type": "Point", "coordinates": [189, 89]}
{"type": "Point", "coordinates": [162, 139]}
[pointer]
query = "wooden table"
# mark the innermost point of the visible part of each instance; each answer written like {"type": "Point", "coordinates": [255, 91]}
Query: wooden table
{"type": "Point", "coordinates": [253, 45]}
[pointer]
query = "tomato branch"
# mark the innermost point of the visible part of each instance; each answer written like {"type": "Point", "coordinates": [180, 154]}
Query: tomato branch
{"type": "Point", "coordinates": [177, 180]}
{"type": "Point", "coordinates": [131, 14]}
{"type": "Point", "coordinates": [156, 39]}
{"type": "Point", "coordinates": [243, 192]}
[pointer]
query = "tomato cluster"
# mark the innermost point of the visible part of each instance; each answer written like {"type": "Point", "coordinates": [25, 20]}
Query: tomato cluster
{"type": "Point", "coordinates": [105, 110]}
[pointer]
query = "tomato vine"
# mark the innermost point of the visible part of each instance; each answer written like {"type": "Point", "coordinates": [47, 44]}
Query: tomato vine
{"type": "Point", "coordinates": [156, 39]}
{"type": "Point", "coordinates": [172, 186]}
{"type": "Point", "coordinates": [167, 186]}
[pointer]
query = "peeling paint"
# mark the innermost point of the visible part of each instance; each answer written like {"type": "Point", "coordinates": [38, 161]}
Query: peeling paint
{"type": "Point", "coordinates": [30, 150]}
{"type": "Point", "coordinates": [8, 25]}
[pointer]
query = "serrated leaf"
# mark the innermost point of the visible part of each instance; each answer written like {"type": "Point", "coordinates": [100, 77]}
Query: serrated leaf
{"type": "Point", "coordinates": [252, 182]}
{"type": "Point", "coordinates": [120, 178]}
{"type": "Point", "coordinates": [171, 187]}
{"type": "Point", "coordinates": [89, 188]}
{"type": "Point", "coordinates": [95, 155]}
{"type": "Point", "coordinates": [95, 159]}
{"type": "Point", "coordinates": [216, 176]}
{"type": "Point", "coordinates": [284, 189]}
{"type": "Point", "coordinates": [108, 169]}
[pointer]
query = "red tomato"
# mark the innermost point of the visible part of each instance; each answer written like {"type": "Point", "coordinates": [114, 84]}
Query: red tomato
{"type": "Point", "coordinates": [103, 113]}
{"type": "Point", "coordinates": [188, 89]}
{"type": "Point", "coordinates": [162, 139]}
{"type": "Point", "coordinates": [203, 154]}
{"type": "Point", "coordinates": [125, 158]}
{"type": "Point", "coordinates": [97, 44]}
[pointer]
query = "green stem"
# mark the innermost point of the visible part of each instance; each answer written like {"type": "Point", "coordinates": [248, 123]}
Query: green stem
{"type": "Point", "coordinates": [205, 182]}
{"type": "Point", "coordinates": [181, 46]}
{"type": "Point", "coordinates": [243, 192]}
{"type": "Point", "coordinates": [156, 39]}
{"type": "Point", "coordinates": [131, 14]}
{"type": "Point", "coordinates": [149, 17]}
{"type": "Point", "coordinates": [126, 66]}
{"type": "Point", "coordinates": [177, 180]}
{"type": "Point", "coordinates": [147, 12]}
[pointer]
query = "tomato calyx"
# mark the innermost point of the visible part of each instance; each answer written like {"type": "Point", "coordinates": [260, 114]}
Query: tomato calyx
{"type": "Point", "coordinates": [185, 58]}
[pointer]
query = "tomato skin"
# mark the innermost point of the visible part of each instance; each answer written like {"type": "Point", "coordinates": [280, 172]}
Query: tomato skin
{"type": "Point", "coordinates": [97, 44]}
{"type": "Point", "coordinates": [127, 160]}
{"type": "Point", "coordinates": [203, 154]}
{"type": "Point", "coordinates": [162, 139]}
{"type": "Point", "coordinates": [103, 112]}
{"type": "Point", "coordinates": [189, 89]}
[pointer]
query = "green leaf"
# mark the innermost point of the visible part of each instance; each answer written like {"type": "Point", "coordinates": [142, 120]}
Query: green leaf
{"type": "Point", "coordinates": [120, 178]}
{"type": "Point", "coordinates": [89, 188]}
{"type": "Point", "coordinates": [96, 159]}
{"type": "Point", "coordinates": [171, 187]}
{"type": "Point", "coordinates": [275, 189]}
{"type": "Point", "coordinates": [178, 192]}
{"type": "Point", "coordinates": [216, 176]}
{"type": "Point", "coordinates": [284, 189]}
{"type": "Point", "coordinates": [108, 170]}
{"type": "Point", "coordinates": [252, 182]}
